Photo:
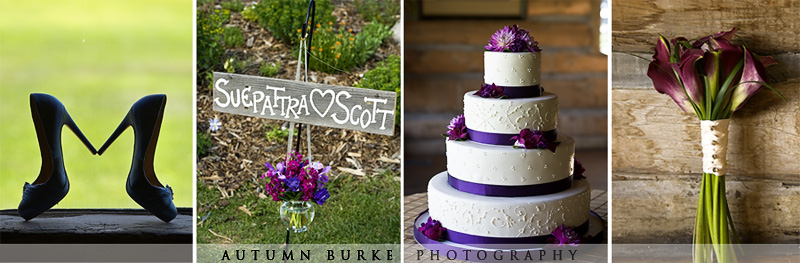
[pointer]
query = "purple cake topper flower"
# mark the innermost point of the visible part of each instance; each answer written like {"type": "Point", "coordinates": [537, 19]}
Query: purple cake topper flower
{"type": "Point", "coordinates": [457, 130]}
{"type": "Point", "coordinates": [534, 140]}
{"type": "Point", "coordinates": [512, 39]}
{"type": "Point", "coordinates": [563, 236]}
{"type": "Point", "coordinates": [577, 172]}
{"type": "Point", "coordinates": [433, 229]}
{"type": "Point", "coordinates": [490, 91]}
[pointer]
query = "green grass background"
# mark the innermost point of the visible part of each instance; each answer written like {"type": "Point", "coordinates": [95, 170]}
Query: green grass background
{"type": "Point", "coordinates": [98, 58]}
{"type": "Point", "coordinates": [359, 211]}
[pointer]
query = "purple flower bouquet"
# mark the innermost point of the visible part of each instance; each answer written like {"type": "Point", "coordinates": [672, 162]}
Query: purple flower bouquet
{"type": "Point", "coordinates": [297, 183]}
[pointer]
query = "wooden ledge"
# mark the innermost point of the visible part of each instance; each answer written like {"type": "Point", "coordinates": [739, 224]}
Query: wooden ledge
{"type": "Point", "coordinates": [95, 226]}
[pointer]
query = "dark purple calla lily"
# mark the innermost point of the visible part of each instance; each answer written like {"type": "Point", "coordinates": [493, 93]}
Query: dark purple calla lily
{"type": "Point", "coordinates": [713, 76]}
{"type": "Point", "coordinates": [664, 78]}
{"type": "Point", "coordinates": [752, 73]}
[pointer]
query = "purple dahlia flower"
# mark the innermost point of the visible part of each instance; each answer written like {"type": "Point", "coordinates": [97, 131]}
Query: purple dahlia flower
{"type": "Point", "coordinates": [512, 39]}
{"type": "Point", "coordinates": [457, 130]}
{"type": "Point", "coordinates": [490, 91]}
{"type": "Point", "coordinates": [534, 140]}
{"type": "Point", "coordinates": [433, 229]}
{"type": "Point", "coordinates": [577, 172]}
{"type": "Point", "coordinates": [564, 235]}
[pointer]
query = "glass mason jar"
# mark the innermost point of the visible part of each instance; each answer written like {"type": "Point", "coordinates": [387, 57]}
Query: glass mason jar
{"type": "Point", "coordinates": [297, 215]}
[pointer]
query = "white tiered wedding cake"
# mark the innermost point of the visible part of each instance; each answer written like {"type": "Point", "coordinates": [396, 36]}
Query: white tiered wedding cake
{"type": "Point", "coordinates": [509, 177]}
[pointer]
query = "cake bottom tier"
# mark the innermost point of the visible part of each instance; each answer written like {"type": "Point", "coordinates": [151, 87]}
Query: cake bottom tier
{"type": "Point", "coordinates": [510, 217]}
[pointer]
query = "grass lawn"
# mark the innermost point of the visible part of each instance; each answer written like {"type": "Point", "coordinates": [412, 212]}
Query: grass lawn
{"type": "Point", "coordinates": [360, 211]}
{"type": "Point", "coordinates": [98, 58]}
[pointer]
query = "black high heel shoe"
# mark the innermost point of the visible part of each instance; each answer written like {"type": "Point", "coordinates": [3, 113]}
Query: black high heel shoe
{"type": "Point", "coordinates": [52, 184]}
{"type": "Point", "coordinates": [142, 185]}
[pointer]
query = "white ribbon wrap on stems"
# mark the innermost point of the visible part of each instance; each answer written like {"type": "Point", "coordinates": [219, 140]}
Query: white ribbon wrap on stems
{"type": "Point", "coordinates": [714, 139]}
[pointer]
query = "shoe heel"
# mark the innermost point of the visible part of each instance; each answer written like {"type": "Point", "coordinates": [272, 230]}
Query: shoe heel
{"type": "Point", "coordinates": [121, 128]}
{"type": "Point", "coordinates": [74, 127]}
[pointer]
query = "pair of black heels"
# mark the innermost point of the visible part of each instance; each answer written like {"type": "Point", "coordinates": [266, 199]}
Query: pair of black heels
{"type": "Point", "coordinates": [52, 185]}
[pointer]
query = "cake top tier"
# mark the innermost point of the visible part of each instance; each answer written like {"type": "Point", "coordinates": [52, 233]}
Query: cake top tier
{"type": "Point", "coordinates": [512, 39]}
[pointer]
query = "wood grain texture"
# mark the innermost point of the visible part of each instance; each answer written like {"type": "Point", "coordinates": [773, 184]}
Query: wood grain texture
{"type": "Point", "coordinates": [477, 33]}
{"type": "Point", "coordinates": [651, 135]}
{"type": "Point", "coordinates": [430, 61]}
{"type": "Point", "coordinates": [325, 105]}
{"type": "Point", "coordinates": [559, 7]}
{"type": "Point", "coordinates": [770, 27]}
{"type": "Point", "coordinates": [96, 226]}
{"type": "Point", "coordinates": [764, 211]}
{"type": "Point", "coordinates": [630, 71]}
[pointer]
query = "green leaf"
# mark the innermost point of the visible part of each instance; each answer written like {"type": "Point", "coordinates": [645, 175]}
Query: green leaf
{"type": "Point", "coordinates": [723, 92]}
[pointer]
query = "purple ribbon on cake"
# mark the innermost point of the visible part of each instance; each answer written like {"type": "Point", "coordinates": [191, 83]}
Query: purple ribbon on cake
{"type": "Point", "coordinates": [502, 138]}
{"type": "Point", "coordinates": [509, 190]}
{"type": "Point", "coordinates": [516, 92]}
{"type": "Point", "coordinates": [483, 241]}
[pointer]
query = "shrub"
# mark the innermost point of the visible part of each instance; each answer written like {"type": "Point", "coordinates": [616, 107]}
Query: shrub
{"type": "Point", "coordinates": [284, 18]}
{"type": "Point", "coordinates": [203, 143]}
{"type": "Point", "coordinates": [277, 133]}
{"type": "Point", "coordinates": [209, 32]}
{"type": "Point", "coordinates": [235, 5]}
{"type": "Point", "coordinates": [386, 76]}
{"type": "Point", "coordinates": [232, 36]}
{"type": "Point", "coordinates": [344, 50]}
{"type": "Point", "coordinates": [269, 69]}
{"type": "Point", "coordinates": [381, 11]}
{"type": "Point", "coordinates": [249, 13]}
{"type": "Point", "coordinates": [233, 65]}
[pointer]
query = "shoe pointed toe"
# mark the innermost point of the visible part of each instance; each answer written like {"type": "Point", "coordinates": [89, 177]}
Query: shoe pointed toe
{"type": "Point", "coordinates": [156, 200]}
{"type": "Point", "coordinates": [36, 199]}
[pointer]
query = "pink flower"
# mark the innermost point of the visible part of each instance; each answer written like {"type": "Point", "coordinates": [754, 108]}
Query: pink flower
{"type": "Point", "coordinates": [433, 229]}
{"type": "Point", "coordinates": [564, 235]}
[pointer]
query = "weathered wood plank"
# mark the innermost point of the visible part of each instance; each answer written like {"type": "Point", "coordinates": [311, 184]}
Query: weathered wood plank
{"type": "Point", "coordinates": [649, 209]}
{"type": "Point", "coordinates": [559, 7]}
{"type": "Point", "coordinates": [630, 72]}
{"type": "Point", "coordinates": [652, 135]}
{"type": "Point", "coordinates": [426, 61]}
{"type": "Point", "coordinates": [770, 27]}
{"type": "Point", "coordinates": [341, 107]}
{"type": "Point", "coordinates": [96, 226]}
{"type": "Point", "coordinates": [477, 32]}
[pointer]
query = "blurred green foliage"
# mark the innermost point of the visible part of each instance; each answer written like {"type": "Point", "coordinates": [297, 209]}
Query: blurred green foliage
{"type": "Point", "coordinates": [269, 69]}
{"type": "Point", "coordinates": [341, 48]}
{"type": "Point", "coordinates": [203, 143]}
{"type": "Point", "coordinates": [386, 76]}
{"type": "Point", "coordinates": [97, 58]}
{"type": "Point", "coordinates": [232, 36]}
{"type": "Point", "coordinates": [233, 6]}
{"type": "Point", "coordinates": [382, 11]}
{"type": "Point", "coordinates": [284, 18]}
{"type": "Point", "coordinates": [210, 51]}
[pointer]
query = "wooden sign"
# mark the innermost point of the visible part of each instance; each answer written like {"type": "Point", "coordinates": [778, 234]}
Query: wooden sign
{"type": "Point", "coordinates": [341, 107]}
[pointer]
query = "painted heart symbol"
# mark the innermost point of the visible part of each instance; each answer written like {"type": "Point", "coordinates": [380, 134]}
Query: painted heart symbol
{"type": "Point", "coordinates": [323, 95]}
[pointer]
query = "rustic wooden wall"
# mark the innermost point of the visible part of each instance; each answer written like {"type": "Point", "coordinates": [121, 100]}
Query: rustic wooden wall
{"type": "Point", "coordinates": [656, 158]}
{"type": "Point", "coordinates": [444, 59]}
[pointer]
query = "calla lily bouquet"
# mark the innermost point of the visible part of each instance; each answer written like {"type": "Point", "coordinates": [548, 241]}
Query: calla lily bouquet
{"type": "Point", "coordinates": [713, 77]}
